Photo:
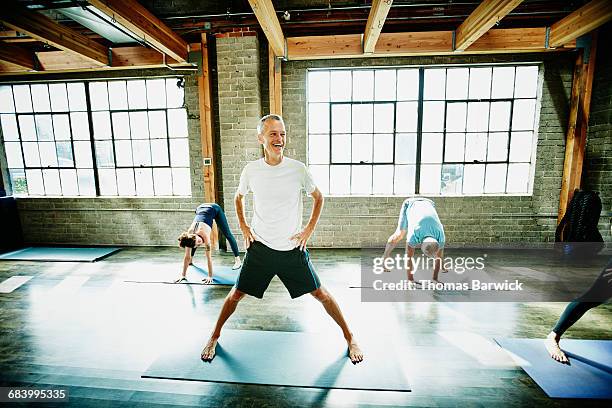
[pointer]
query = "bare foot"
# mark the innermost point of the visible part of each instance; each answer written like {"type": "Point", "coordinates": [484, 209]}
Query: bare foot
{"type": "Point", "coordinates": [552, 346]}
{"type": "Point", "coordinates": [208, 353]}
{"type": "Point", "coordinates": [354, 352]}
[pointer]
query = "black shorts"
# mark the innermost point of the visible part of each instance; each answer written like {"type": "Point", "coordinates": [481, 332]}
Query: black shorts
{"type": "Point", "coordinates": [293, 268]}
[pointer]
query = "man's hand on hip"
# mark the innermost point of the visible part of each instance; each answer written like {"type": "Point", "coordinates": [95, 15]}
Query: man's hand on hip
{"type": "Point", "coordinates": [302, 237]}
{"type": "Point", "coordinates": [247, 233]}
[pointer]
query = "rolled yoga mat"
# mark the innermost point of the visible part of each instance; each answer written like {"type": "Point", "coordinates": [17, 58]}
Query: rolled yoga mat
{"type": "Point", "coordinates": [59, 254]}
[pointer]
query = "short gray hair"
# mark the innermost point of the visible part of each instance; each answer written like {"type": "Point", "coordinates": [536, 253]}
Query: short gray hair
{"type": "Point", "coordinates": [263, 120]}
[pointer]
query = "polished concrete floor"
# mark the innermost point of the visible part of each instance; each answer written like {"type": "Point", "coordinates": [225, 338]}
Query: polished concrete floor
{"type": "Point", "coordinates": [81, 326]}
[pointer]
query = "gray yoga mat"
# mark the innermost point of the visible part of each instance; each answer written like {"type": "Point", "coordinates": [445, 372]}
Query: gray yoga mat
{"type": "Point", "coordinates": [284, 359]}
{"type": "Point", "coordinates": [589, 374]}
{"type": "Point", "coordinates": [59, 254]}
{"type": "Point", "coordinates": [222, 275]}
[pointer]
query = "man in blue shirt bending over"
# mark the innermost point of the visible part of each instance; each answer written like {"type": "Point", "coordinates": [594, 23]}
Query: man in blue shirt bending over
{"type": "Point", "coordinates": [419, 222]}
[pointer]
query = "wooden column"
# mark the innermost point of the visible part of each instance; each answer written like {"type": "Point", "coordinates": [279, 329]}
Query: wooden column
{"type": "Point", "coordinates": [274, 80]}
{"type": "Point", "coordinates": [207, 134]}
{"type": "Point", "coordinates": [575, 141]}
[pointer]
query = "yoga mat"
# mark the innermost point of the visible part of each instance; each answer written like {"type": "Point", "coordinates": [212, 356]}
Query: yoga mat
{"type": "Point", "coordinates": [12, 283]}
{"type": "Point", "coordinates": [311, 360]}
{"type": "Point", "coordinates": [589, 374]}
{"type": "Point", "coordinates": [59, 254]}
{"type": "Point", "coordinates": [222, 275]}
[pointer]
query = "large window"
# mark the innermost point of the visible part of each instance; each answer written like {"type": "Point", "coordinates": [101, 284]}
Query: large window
{"type": "Point", "coordinates": [103, 138]}
{"type": "Point", "coordinates": [435, 131]}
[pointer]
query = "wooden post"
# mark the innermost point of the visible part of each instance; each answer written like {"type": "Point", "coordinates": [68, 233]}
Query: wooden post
{"type": "Point", "coordinates": [274, 82]}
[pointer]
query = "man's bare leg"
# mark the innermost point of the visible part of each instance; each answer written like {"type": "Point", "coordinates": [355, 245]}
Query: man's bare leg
{"type": "Point", "coordinates": [229, 306]}
{"type": "Point", "coordinates": [552, 346]}
{"type": "Point", "coordinates": [332, 308]}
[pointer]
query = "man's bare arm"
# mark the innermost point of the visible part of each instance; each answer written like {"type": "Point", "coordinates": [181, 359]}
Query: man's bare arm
{"type": "Point", "coordinates": [244, 227]}
{"type": "Point", "coordinates": [302, 237]}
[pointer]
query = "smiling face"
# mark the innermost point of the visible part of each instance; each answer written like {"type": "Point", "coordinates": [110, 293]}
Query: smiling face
{"type": "Point", "coordinates": [272, 138]}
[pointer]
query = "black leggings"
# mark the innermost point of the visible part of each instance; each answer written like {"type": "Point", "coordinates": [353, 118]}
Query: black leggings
{"type": "Point", "coordinates": [599, 293]}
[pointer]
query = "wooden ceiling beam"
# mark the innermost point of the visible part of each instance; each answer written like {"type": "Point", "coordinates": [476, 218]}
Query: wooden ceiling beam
{"type": "Point", "coordinates": [266, 16]}
{"type": "Point", "coordinates": [376, 20]}
{"type": "Point", "coordinates": [585, 19]}
{"type": "Point", "coordinates": [38, 26]}
{"type": "Point", "coordinates": [485, 16]}
{"type": "Point", "coordinates": [141, 22]}
{"type": "Point", "coordinates": [18, 56]}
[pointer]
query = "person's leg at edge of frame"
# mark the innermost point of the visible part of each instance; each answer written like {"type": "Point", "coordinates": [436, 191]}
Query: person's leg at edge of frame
{"type": "Point", "coordinates": [223, 225]}
{"type": "Point", "coordinates": [229, 306]}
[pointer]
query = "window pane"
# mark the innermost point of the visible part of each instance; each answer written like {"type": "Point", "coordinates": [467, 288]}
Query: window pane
{"type": "Point", "coordinates": [495, 180]}
{"type": "Point", "coordinates": [18, 181]}
{"type": "Point", "coordinates": [404, 180]}
{"type": "Point", "coordinates": [61, 127]}
{"type": "Point", "coordinates": [69, 182]}
{"type": "Point", "coordinates": [159, 152]}
{"type": "Point", "coordinates": [179, 153]}
{"type": "Point", "coordinates": [457, 83]}
{"type": "Point", "coordinates": [475, 147]}
{"type": "Point", "coordinates": [407, 117]}
{"type": "Point", "coordinates": [341, 118]}
{"type": "Point", "coordinates": [361, 180]}
{"type": "Point", "coordinates": [48, 155]}
{"type": "Point", "coordinates": [503, 82]}
{"type": "Point", "coordinates": [23, 100]}
{"type": "Point", "coordinates": [9, 127]}
{"type": "Point", "coordinates": [44, 128]}
{"type": "Point", "coordinates": [340, 180]}
{"type": "Point", "coordinates": [52, 182]}
{"type": "Point", "coordinates": [64, 154]}
{"type": "Point", "coordinates": [430, 178]}
{"type": "Point", "coordinates": [98, 96]}
{"type": "Point", "coordinates": [137, 94]}
{"type": "Point", "coordinates": [6, 99]}
{"type": "Point", "coordinates": [320, 175]}
{"type": "Point", "coordinates": [318, 149]}
{"type": "Point", "coordinates": [76, 96]}
{"type": "Point", "coordinates": [520, 146]}
{"type": "Point", "coordinates": [101, 125]}
{"type": "Point", "coordinates": [30, 152]}
{"type": "Point", "coordinates": [108, 182]}
{"type": "Point", "coordinates": [499, 117]}
{"type": "Point", "coordinates": [526, 82]}
{"type": "Point", "coordinates": [454, 150]}
{"type": "Point", "coordinates": [340, 148]}
{"type": "Point", "coordinates": [478, 116]}
{"type": "Point", "coordinates": [121, 125]}
{"type": "Point", "coordinates": [407, 84]}
{"type": "Point", "coordinates": [362, 148]}
{"type": "Point", "coordinates": [363, 85]}
{"type": "Point", "coordinates": [139, 125]}
{"type": "Point", "coordinates": [435, 84]}
{"type": "Point", "coordinates": [452, 179]}
{"type": "Point", "coordinates": [318, 86]}
{"type": "Point", "coordinates": [123, 150]}
{"type": "Point", "coordinates": [125, 182]}
{"type": "Point", "coordinates": [177, 123]}
{"type": "Point", "coordinates": [80, 125]}
{"type": "Point", "coordinates": [59, 98]}
{"type": "Point", "coordinates": [117, 93]}
{"type": "Point", "coordinates": [13, 154]}
{"type": "Point", "coordinates": [175, 94]}
{"type": "Point", "coordinates": [456, 114]}
{"type": "Point", "coordinates": [27, 127]}
{"type": "Point", "coordinates": [340, 85]}
{"type": "Point", "coordinates": [162, 179]}
{"type": "Point", "coordinates": [40, 98]}
{"type": "Point", "coordinates": [156, 93]}
{"type": "Point", "coordinates": [144, 182]}
{"type": "Point", "coordinates": [318, 118]}
{"type": "Point", "coordinates": [157, 124]}
{"type": "Point", "coordinates": [363, 120]}
{"type": "Point", "coordinates": [104, 154]}
{"type": "Point", "coordinates": [518, 178]}
{"type": "Point", "coordinates": [433, 116]}
{"type": "Point", "coordinates": [35, 182]}
{"type": "Point", "coordinates": [384, 85]}
{"type": "Point", "coordinates": [431, 148]}
{"type": "Point", "coordinates": [181, 182]}
{"type": "Point", "coordinates": [86, 182]}
{"type": "Point", "coordinates": [82, 153]}
{"type": "Point", "coordinates": [523, 114]}
{"type": "Point", "coordinates": [383, 117]}
{"type": "Point", "coordinates": [383, 180]}
{"type": "Point", "coordinates": [141, 152]}
{"type": "Point", "coordinates": [383, 148]}
{"type": "Point", "coordinates": [473, 178]}
{"type": "Point", "coordinates": [497, 147]}
{"type": "Point", "coordinates": [405, 148]}
{"type": "Point", "coordinates": [480, 83]}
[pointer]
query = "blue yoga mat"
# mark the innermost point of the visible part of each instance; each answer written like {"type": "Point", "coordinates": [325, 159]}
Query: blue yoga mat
{"type": "Point", "coordinates": [58, 254]}
{"type": "Point", "coordinates": [589, 374]}
{"type": "Point", "coordinates": [222, 275]}
{"type": "Point", "coordinates": [291, 359]}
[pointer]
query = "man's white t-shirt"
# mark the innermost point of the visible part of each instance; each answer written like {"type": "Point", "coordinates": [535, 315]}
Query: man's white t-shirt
{"type": "Point", "coordinates": [277, 200]}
